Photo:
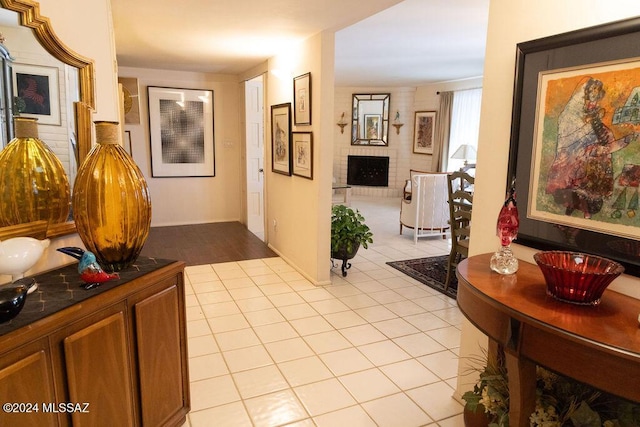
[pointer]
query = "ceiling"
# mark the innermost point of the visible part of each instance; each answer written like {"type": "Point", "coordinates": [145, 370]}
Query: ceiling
{"type": "Point", "coordinates": [378, 42]}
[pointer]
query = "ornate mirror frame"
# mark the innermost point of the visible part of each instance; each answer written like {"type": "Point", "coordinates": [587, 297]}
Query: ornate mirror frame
{"type": "Point", "coordinates": [29, 12]}
{"type": "Point", "coordinates": [370, 120]}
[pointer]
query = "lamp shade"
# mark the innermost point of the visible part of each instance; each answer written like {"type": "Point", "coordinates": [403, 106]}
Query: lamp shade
{"type": "Point", "coordinates": [465, 152]}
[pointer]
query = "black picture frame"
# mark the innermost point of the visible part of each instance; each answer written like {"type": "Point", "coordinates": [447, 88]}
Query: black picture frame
{"type": "Point", "coordinates": [302, 149]}
{"type": "Point", "coordinates": [302, 100]}
{"type": "Point", "coordinates": [614, 41]}
{"type": "Point", "coordinates": [281, 154]}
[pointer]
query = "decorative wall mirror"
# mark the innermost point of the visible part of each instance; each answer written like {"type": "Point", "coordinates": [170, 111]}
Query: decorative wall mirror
{"type": "Point", "coordinates": [370, 119]}
{"type": "Point", "coordinates": [74, 108]}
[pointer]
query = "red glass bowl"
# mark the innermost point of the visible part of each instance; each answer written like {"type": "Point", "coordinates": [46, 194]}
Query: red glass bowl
{"type": "Point", "coordinates": [575, 277]}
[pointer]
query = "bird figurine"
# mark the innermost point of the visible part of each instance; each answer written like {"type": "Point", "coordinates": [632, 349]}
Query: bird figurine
{"type": "Point", "coordinates": [90, 271]}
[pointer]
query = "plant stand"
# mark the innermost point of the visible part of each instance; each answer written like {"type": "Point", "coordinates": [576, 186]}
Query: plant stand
{"type": "Point", "coordinates": [345, 266]}
{"type": "Point", "coordinates": [345, 256]}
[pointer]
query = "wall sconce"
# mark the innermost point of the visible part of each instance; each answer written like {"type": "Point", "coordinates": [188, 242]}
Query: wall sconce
{"type": "Point", "coordinates": [342, 123]}
{"type": "Point", "coordinates": [396, 123]}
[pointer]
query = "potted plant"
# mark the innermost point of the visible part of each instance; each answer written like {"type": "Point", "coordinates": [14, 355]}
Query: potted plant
{"type": "Point", "coordinates": [560, 402]}
{"type": "Point", "coordinates": [348, 233]}
{"type": "Point", "coordinates": [488, 403]}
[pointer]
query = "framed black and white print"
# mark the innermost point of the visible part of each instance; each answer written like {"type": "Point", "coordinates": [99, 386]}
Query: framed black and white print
{"type": "Point", "coordinates": [181, 125]}
{"type": "Point", "coordinates": [303, 154]}
{"type": "Point", "coordinates": [37, 93]}
{"type": "Point", "coordinates": [302, 100]}
{"type": "Point", "coordinates": [281, 138]}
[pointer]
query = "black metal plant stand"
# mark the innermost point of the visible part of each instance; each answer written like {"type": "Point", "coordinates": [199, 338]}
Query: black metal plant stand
{"type": "Point", "coordinates": [345, 266]}
{"type": "Point", "coordinates": [345, 256]}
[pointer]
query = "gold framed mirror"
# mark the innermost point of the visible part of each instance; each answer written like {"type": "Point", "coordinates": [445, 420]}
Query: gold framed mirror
{"type": "Point", "coordinates": [29, 16]}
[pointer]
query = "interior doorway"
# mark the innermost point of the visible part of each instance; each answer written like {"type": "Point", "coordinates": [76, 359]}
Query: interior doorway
{"type": "Point", "coordinates": [254, 130]}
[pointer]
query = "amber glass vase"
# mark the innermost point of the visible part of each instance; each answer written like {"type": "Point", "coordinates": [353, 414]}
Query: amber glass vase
{"type": "Point", "coordinates": [33, 183]}
{"type": "Point", "coordinates": [111, 202]}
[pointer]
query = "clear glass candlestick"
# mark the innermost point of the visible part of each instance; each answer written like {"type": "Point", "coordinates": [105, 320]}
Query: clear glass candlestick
{"type": "Point", "coordinates": [503, 261]}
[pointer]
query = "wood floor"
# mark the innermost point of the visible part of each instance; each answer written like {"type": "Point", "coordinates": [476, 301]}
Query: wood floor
{"type": "Point", "coordinates": [205, 243]}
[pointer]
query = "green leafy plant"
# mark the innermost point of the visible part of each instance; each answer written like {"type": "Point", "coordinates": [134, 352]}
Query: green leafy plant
{"type": "Point", "coordinates": [348, 229]}
{"type": "Point", "coordinates": [491, 392]}
{"type": "Point", "coordinates": [560, 401]}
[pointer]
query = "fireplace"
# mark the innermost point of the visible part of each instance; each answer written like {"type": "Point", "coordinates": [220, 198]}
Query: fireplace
{"type": "Point", "coordinates": [372, 171]}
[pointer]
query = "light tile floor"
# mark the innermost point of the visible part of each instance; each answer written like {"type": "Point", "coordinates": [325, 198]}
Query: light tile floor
{"type": "Point", "coordinates": [375, 348]}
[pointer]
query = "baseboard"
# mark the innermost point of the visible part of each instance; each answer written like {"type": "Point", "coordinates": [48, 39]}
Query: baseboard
{"type": "Point", "coordinates": [298, 269]}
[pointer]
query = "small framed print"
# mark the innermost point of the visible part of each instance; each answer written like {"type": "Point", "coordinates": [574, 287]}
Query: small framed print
{"type": "Point", "coordinates": [281, 138]}
{"type": "Point", "coordinates": [372, 125]}
{"type": "Point", "coordinates": [302, 100]}
{"type": "Point", "coordinates": [36, 91]}
{"type": "Point", "coordinates": [131, 100]}
{"type": "Point", "coordinates": [127, 142]}
{"type": "Point", "coordinates": [303, 154]}
{"type": "Point", "coordinates": [423, 132]}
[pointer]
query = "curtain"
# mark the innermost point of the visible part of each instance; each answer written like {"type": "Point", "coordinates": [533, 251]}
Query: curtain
{"type": "Point", "coordinates": [465, 126]}
{"type": "Point", "coordinates": [441, 142]}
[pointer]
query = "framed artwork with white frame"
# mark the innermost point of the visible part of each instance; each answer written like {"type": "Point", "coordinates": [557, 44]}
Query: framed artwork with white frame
{"type": "Point", "coordinates": [181, 130]}
{"type": "Point", "coordinates": [37, 93]}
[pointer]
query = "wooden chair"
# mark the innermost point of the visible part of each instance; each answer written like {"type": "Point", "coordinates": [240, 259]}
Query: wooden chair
{"type": "Point", "coordinates": [460, 203]}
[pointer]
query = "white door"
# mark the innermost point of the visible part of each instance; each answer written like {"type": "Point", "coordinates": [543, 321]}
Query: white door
{"type": "Point", "coordinates": [255, 155]}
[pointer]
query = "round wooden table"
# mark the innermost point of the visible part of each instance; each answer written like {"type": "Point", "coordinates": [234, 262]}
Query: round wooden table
{"type": "Point", "coordinates": [597, 345]}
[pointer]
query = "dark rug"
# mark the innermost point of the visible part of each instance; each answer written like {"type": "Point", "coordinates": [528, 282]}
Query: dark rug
{"type": "Point", "coordinates": [430, 271]}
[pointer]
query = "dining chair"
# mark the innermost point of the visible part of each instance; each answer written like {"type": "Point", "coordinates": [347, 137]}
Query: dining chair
{"type": "Point", "coordinates": [460, 188]}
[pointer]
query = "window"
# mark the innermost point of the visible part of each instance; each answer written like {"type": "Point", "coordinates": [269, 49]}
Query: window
{"type": "Point", "coordinates": [465, 127]}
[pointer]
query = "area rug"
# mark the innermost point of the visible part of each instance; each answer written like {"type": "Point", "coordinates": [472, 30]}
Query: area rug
{"type": "Point", "coordinates": [430, 271]}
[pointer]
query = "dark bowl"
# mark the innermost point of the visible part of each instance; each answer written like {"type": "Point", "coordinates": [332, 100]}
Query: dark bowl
{"type": "Point", "coordinates": [576, 277]}
{"type": "Point", "coordinates": [12, 299]}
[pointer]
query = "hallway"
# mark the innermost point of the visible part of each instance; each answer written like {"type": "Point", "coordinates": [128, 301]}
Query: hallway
{"type": "Point", "coordinates": [375, 348]}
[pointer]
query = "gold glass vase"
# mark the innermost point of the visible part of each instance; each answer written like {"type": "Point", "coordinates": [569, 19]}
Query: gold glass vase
{"type": "Point", "coordinates": [111, 202]}
{"type": "Point", "coordinates": [33, 183]}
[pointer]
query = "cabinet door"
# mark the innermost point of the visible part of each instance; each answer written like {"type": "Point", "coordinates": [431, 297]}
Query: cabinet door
{"type": "Point", "coordinates": [25, 378]}
{"type": "Point", "coordinates": [99, 373]}
{"type": "Point", "coordinates": [160, 356]}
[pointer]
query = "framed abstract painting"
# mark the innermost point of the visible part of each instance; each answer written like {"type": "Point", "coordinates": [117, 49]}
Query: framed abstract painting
{"type": "Point", "coordinates": [575, 145]}
{"type": "Point", "coordinates": [36, 93]}
{"type": "Point", "coordinates": [181, 131]}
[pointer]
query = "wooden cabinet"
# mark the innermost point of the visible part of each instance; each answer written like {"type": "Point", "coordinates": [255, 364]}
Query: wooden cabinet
{"type": "Point", "coordinates": [123, 352]}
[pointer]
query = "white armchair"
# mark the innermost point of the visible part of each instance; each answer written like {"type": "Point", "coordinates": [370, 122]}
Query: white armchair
{"type": "Point", "coordinates": [427, 210]}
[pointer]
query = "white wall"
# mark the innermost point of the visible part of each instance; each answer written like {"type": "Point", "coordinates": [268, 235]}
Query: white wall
{"type": "Point", "coordinates": [298, 209]}
{"type": "Point", "coordinates": [510, 23]}
{"type": "Point", "coordinates": [178, 201]}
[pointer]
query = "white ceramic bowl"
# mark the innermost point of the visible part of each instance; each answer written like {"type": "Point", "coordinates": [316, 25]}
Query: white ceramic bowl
{"type": "Point", "coordinates": [19, 254]}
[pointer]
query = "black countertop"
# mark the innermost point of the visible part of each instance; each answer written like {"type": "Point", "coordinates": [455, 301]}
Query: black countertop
{"type": "Point", "coordinates": [61, 288]}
